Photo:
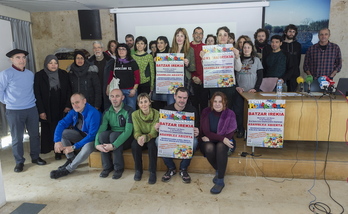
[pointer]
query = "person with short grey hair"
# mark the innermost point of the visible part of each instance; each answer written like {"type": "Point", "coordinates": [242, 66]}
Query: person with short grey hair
{"type": "Point", "coordinates": [17, 93]}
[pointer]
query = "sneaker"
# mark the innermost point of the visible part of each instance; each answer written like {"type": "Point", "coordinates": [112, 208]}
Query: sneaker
{"type": "Point", "coordinates": [105, 173]}
{"type": "Point", "coordinates": [59, 173]}
{"type": "Point", "coordinates": [152, 178]}
{"type": "Point", "coordinates": [137, 175]}
{"type": "Point", "coordinates": [185, 176]}
{"type": "Point", "coordinates": [168, 175]}
{"type": "Point", "coordinates": [117, 174]}
{"type": "Point", "coordinates": [68, 161]}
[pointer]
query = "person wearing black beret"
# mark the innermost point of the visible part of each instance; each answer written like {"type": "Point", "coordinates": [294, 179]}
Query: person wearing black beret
{"type": "Point", "coordinates": [17, 93]}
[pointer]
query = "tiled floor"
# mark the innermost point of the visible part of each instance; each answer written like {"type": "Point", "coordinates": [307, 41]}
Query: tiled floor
{"type": "Point", "coordinates": [84, 192]}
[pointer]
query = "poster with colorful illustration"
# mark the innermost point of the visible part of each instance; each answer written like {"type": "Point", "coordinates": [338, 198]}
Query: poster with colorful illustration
{"type": "Point", "coordinates": [266, 123]}
{"type": "Point", "coordinates": [169, 72]}
{"type": "Point", "coordinates": [218, 66]}
{"type": "Point", "coordinates": [176, 135]}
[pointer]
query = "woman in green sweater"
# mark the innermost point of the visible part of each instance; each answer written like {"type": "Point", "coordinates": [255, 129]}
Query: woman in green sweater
{"type": "Point", "coordinates": [144, 120]}
{"type": "Point", "coordinates": [146, 65]}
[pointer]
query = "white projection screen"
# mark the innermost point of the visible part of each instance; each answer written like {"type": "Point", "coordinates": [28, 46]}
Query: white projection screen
{"type": "Point", "coordinates": [240, 18]}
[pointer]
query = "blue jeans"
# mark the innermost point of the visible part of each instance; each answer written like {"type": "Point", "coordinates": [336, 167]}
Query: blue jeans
{"type": "Point", "coordinates": [184, 164]}
{"type": "Point", "coordinates": [130, 101]}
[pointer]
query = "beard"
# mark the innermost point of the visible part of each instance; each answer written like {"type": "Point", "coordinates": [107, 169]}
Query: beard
{"type": "Point", "coordinates": [290, 37]}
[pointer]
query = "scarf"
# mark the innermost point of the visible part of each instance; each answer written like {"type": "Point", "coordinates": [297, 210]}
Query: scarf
{"type": "Point", "coordinates": [53, 77]}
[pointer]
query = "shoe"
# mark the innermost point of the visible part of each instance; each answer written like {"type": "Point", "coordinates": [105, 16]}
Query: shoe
{"type": "Point", "coordinates": [240, 135]}
{"type": "Point", "coordinates": [59, 173]}
{"type": "Point", "coordinates": [19, 167]}
{"type": "Point", "coordinates": [117, 174]}
{"type": "Point", "coordinates": [217, 188]}
{"type": "Point", "coordinates": [39, 161]}
{"type": "Point", "coordinates": [152, 178]}
{"type": "Point", "coordinates": [168, 175]}
{"type": "Point", "coordinates": [137, 175]}
{"type": "Point", "coordinates": [65, 165]}
{"type": "Point", "coordinates": [57, 156]}
{"type": "Point", "coordinates": [105, 173]}
{"type": "Point", "coordinates": [185, 176]}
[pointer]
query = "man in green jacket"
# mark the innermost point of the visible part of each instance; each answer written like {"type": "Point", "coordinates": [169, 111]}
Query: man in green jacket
{"type": "Point", "coordinates": [119, 137]}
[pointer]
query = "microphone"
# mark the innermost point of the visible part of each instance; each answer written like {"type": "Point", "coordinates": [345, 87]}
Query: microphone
{"type": "Point", "coordinates": [300, 81]}
{"type": "Point", "coordinates": [323, 83]}
{"type": "Point", "coordinates": [326, 83]}
{"type": "Point", "coordinates": [309, 80]}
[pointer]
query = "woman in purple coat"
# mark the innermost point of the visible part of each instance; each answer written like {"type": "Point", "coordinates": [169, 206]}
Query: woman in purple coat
{"type": "Point", "coordinates": [218, 124]}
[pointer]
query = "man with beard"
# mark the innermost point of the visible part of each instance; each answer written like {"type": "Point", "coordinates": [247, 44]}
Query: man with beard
{"type": "Point", "coordinates": [130, 42]}
{"type": "Point", "coordinates": [105, 64]}
{"type": "Point", "coordinates": [277, 63]}
{"type": "Point", "coordinates": [200, 97]}
{"type": "Point", "coordinates": [291, 46]}
{"type": "Point", "coordinates": [261, 43]}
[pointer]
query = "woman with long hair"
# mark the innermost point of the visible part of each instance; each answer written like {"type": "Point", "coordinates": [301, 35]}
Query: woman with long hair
{"type": "Point", "coordinates": [218, 124]}
{"type": "Point", "coordinates": [181, 44]}
{"type": "Point", "coordinates": [160, 100]}
{"type": "Point", "coordinates": [249, 79]}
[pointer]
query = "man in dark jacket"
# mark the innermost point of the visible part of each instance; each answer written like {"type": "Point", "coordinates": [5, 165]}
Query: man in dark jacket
{"type": "Point", "coordinates": [85, 121]}
{"type": "Point", "coordinates": [293, 47]}
{"type": "Point", "coordinates": [278, 63]}
{"type": "Point", "coordinates": [105, 64]}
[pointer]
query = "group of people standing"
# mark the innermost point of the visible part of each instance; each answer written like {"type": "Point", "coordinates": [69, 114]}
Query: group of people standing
{"type": "Point", "coordinates": [122, 79]}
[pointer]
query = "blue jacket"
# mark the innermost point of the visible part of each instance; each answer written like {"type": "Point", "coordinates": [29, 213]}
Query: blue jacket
{"type": "Point", "coordinates": [91, 122]}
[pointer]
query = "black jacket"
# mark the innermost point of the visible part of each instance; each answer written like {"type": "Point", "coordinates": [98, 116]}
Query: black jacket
{"type": "Point", "coordinates": [42, 92]}
{"type": "Point", "coordinates": [87, 83]}
{"type": "Point", "coordinates": [294, 50]}
{"type": "Point", "coordinates": [109, 67]}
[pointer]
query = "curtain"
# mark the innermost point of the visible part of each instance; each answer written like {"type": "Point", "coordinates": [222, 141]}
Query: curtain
{"type": "Point", "coordinates": [22, 39]}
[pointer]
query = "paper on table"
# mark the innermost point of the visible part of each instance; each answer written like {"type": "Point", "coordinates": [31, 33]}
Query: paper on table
{"type": "Point", "coordinates": [268, 84]}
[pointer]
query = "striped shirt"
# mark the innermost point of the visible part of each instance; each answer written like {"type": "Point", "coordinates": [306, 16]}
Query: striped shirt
{"type": "Point", "coordinates": [323, 62]}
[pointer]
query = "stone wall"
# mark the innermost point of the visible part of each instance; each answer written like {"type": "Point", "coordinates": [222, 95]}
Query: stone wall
{"type": "Point", "coordinates": [53, 30]}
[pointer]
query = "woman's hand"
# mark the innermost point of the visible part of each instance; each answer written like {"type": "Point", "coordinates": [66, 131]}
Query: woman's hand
{"type": "Point", "coordinates": [132, 92]}
{"type": "Point", "coordinates": [205, 139]}
{"type": "Point", "coordinates": [236, 53]}
{"type": "Point", "coordinates": [201, 53]}
{"type": "Point", "coordinates": [240, 90]}
{"type": "Point", "coordinates": [141, 140]}
{"type": "Point", "coordinates": [252, 91]}
{"type": "Point", "coordinates": [43, 116]}
{"type": "Point", "coordinates": [228, 143]}
{"type": "Point", "coordinates": [186, 62]}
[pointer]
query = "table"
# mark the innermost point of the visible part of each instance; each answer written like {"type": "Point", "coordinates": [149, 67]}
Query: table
{"type": "Point", "coordinates": [307, 118]}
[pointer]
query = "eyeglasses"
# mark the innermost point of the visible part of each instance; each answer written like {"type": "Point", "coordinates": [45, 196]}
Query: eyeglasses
{"type": "Point", "coordinates": [121, 49]}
